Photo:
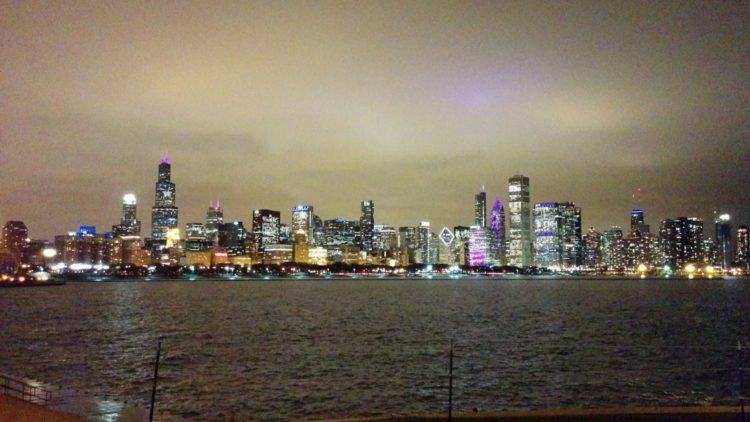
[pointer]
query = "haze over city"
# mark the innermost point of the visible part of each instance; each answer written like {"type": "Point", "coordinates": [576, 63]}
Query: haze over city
{"type": "Point", "coordinates": [412, 105]}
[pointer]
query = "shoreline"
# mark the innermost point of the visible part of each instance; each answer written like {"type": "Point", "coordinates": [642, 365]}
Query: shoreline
{"type": "Point", "coordinates": [671, 413]}
{"type": "Point", "coordinates": [334, 277]}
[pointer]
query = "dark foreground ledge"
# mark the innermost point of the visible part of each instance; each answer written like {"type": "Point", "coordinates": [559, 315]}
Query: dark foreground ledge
{"type": "Point", "coordinates": [681, 414]}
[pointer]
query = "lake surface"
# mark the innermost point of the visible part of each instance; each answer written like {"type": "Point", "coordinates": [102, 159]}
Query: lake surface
{"type": "Point", "coordinates": [282, 349]}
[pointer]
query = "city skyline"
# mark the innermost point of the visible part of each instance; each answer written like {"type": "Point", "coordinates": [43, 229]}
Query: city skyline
{"type": "Point", "coordinates": [480, 205]}
{"type": "Point", "coordinates": [414, 117]}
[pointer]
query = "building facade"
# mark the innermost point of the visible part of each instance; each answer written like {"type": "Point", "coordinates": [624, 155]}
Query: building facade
{"type": "Point", "coordinates": [519, 234]}
{"type": "Point", "coordinates": [266, 228]}
{"type": "Point", "coordinates": [129, 224]}
{"type": "Point", "coordinates": [164, 214]}
{"type": "Point", "coordinates": [366, 224]}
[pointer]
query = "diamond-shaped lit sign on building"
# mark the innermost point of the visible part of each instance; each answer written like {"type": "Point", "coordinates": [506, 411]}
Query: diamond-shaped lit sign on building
{"type": "Point", "coordinates": [446, 236]}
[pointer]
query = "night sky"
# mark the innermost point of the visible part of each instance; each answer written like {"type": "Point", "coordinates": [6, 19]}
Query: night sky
{"type": "Point", "coordinates": [411, 104]}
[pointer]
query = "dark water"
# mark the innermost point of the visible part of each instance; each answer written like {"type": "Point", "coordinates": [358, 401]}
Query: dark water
{"type": "Point", "coordinates": [313, 349]}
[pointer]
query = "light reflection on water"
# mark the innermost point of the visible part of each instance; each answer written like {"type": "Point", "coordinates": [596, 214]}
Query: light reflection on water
{"type": "Point", "coordinates": [281, 349]}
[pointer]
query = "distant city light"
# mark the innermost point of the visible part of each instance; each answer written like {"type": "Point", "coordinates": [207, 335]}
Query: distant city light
{"type": "Point", "coordinates": [49, 252]}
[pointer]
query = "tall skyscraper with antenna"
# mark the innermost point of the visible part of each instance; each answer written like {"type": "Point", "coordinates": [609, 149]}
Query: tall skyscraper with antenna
{"type": "Point", "coordinates": [164, 211]}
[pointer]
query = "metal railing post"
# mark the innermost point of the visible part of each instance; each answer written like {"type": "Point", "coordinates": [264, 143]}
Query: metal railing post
{"type": "Point", "coordinates": [153, 389]}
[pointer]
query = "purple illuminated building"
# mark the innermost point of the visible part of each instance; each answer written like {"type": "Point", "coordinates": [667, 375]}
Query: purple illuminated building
{"type": "Point", "coordinates": [478, 246]}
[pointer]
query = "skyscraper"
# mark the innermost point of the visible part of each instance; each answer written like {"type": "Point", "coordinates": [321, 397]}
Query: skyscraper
{"type": "Point", "coordinates": [214, 218]}
{"type": "Point", "coordinates": [497, 227]}
{"type": "Point", "coordinates": [592, 243]}
{"type": "Point", "coordinates": [302, 222]}
{"type": "Point", "coordinates": [743, 248]}
{"type": "Point", "coordinates": [548, 235]}
{"type": "Point", "coordinates": [266, 227]}
{"type": "Point", "coordinates": [519, 238]}
{"type": "Point", "coordinates": [681, 242]}
{"type": "Point", "coordinates": [339, 232]}
{"type": "Point", "coordinates": [164, 212]}
{"type": "Point", "coordinates": [572, 252]}
{"type": "Point", "coordinates": [724, 255]}
{"type": "Point", "coordinates": [478, 246]}
{"type": "Point", "coordinates": [129, 224]}
{"type": "Point", "coordinates": [366, 223]}
{"type": "Point", "coordinates": [232, 238]}
{"type": "Point", "coordinates": [408, 243]}
{"type": "Point", "coordinates": [195, 237]}
{"type": "Point", "coordinates": [423, 243]}
{"type": "Point", "coordinates": [480, 208]}
{"type": "Point", "coordinates": [318, 230]}
{"type": "Point", "coordinates": [613, 249]}
{"type": "Point", "coordinates": [638, 227]}
{"type": "Point", "coordinates": [384, 238]}
{"type": "Point", "coordinates": [15, 238]}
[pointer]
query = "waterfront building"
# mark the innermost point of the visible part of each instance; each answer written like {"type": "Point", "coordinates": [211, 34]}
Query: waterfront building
{"type": "Point", "coordinates": [643, 248]}
{"type": "Point", "coordinates": [302, 222]}
{"type": "Point", "coordinates": [129, 224]}
{"type": "Point", "coordinates": [434, 254]}
{"type": "Point", "coordinates": [278, 254]}
{"type": "Point", "coordinates": [164, 213]}
{"type": "Point", "coordinates": [340, 232]}
{"type": "Point", "coordinates": [35, 252]}
{"type": "Point", "coordinates": [366, 224]}
{"type": "Point", "coordinates": [613, 249]}
{"type": "Point", "coordinates": [592, 245]}
{"type": "Point", "coordinates": [548, 235]}
{"type": "Point", "coordinates": [232, 238]}
{"type": "Point", "coordinates": [285, 234]}
{"type": "Point", "coordinates": [408, 243]}
{"type": "Point", "coordinates": [743, 248]}
{"type": "Point", "coordinates": [709, 251]}
{"type": "Point", "coordinates": [422, 255]}
{"type": "Point", "coordinates": [497, 233]}
{"type": "Point", "coordinates": [384, 239]}
{"type": "Point", "coordinates": [519, 238]}
{"type": "Point", "coordinates": [266, 228]}
{"type": "Point", "coordinates": [301, 248]}
{"type": "Point", "coordinates": [461, 244]}
{"type": "Point", "coordinates": [15, 238]}
{"type": "Point", "coordinates": [133, 252]}
{"type": "Point", "coordinates": [572, 240]}
{"type": "Point", "coordinates": [478, 246]}
{"type": "Point", "coordinates": [638, 227]}
{"type": "Point", "coordinates": [446, 253]}
{"type": "Point", "coordinates": [214, 219]}
{"type": "Point", "coordinates": [317, 256]}
{"type": "Point", "coordinates": [195, 231]}
{"type": "Point", "coordinates": [196, 237]}
{"type": "Point", "coordinates": [318, 230]}
{"type": "Point", "coordinates": [681, 242]}
{"type": "Point", "coordinates": [480, 208]}
{"type": "Point", "coordinates": [198, 258]}
{"type": "Point", "coordinates": [86, 248]}
{"type": "Point", "coordinates": [724, 253]}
